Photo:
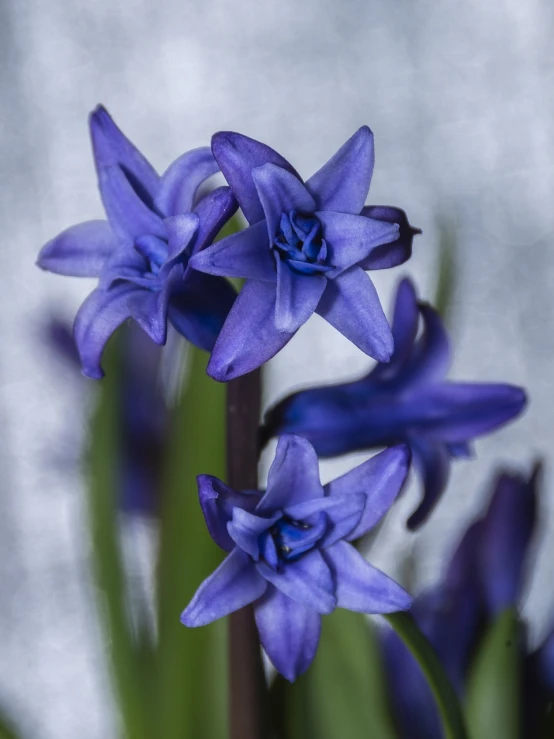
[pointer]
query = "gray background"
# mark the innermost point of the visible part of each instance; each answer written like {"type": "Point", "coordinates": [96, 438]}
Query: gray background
{"type": "Point", "coordinates": [459, 96]}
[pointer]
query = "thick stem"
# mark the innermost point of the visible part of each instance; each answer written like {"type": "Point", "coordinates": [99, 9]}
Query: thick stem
{"type": "Point", "coordinates": [247, 687]}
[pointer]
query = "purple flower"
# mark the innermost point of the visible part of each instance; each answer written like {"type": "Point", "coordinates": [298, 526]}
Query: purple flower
{"type": "Point", "coordinates": [289, 550]}
{"type": "Point", "coordinates": [407, 401]}
{"type": "Point", "coordinates": [305, 251]}
{"type": "Point", "coordinates": [141, 253]}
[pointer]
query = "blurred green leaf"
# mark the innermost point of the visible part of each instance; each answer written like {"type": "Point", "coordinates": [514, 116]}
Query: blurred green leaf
{"type": "Point", "coordinates": [103, 516]}
{"type": "Point", "coordinates": [343, 693]}
{"type": "Point", "coordinates": [493, 698]}
{"type": "Point", "coordinates": [7, 729]}
{"type": "Point", "coordinates": [446, 276]}
{"type": "Point", "coordinates": [192, 663]}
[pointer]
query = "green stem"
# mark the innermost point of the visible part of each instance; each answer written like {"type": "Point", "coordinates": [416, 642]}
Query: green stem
{"type": "Point", "coordinates": [445, 695]}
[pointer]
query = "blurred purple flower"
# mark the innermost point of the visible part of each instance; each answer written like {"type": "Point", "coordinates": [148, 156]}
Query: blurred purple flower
{"type": "Point", "coordinates": [305, 251]}
{"type": "Point", "coordinates": [289, 550]}
{"type": "Point", "coordinates": [407, 401]}
{"type": "Point", "coordinates": [141, 253]}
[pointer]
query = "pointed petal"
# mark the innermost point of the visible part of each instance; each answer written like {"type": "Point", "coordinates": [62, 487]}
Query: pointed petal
{"type": "Point", "coordinates": [200, 309]}
{"type": "Point", "coordinates": [297, 297]}
{"type": "Point", "coordinates": [307, 581]}
{"type": "Point", "coordinates": [342, 514]}
{"type": "Point", "coordinates": [244, 254]}
{"type": "Point", "coordinates": [79, 251]}
{"type": "Point", "coordinates": [289, 632]}
{"type": "Point", "coordinates": [234, 584]}
{"type": "Point", "coordinates": [149, 309]}
{"type": "Point", "coordinates": [396, 252]}
{"type": "Point", "coordinates": [343, 183]}
{"type": "Point", "coordinates": [129, 216]}
{"type": "Point", "coordinates": [217, 501]}
{"type": "Point", "coordinates": [237, 156]}
{"type": "Point", "coordinates": [181, 180]}
{"type": "Point", "coordinates": [433, 461]}
{"type": "Point", "coordinates": [294, 475]}
{"type": "Point", "coordinates": [180, 230]}
{"type": "Point", "coordinates": [351, 238]}
{"type": "Point", "coordinates": [248, 338]}
{"type": "Point", "coordinates": [350, 303]}
{"type": "Point", "coordinates": [362, 587]}
{"type": "Point", "coordinates": [213, 211]}
{"type": "Point", "coordinates": [280, 192]}
{"type": "Point", "coordinates": [245, 529]}
{"type": "Point", "coordinates": [111, 147]}
{"type": "Point", "coordinates": [431, 357]}
{"type": "Point", "coordinates": [98, 317]}
{"type": "Point", "coordinates": [380, 479]}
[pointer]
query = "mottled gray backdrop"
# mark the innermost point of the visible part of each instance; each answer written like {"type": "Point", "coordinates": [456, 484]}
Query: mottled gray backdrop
{"type": "Point", "coordinates": [460, 98]}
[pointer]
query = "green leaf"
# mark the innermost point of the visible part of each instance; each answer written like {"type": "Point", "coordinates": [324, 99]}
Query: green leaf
{"type": "Point", "coordinates": [446, 278]}
{"type": "Point", "coordinates": [7, 728]}
{"type": "Point", "coordinates": [192, 663]}
{"type": "Point", "coordinates": [343, 693]}
{"type": "Point", "coordinates": [494, 688]}
{"type": "Point", "coordinates": [103, 496]}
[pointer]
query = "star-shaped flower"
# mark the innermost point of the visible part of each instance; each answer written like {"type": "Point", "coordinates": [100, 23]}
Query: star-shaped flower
{"type": "Point", "coordinates": [306, 251]}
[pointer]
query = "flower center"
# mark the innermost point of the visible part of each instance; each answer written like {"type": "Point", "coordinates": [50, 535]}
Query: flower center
{"type": "Point", "coordinates": [300, 243]}
{"type": "Point", "coordinates": [287, 539]}
{"type": "Point", "coordinates": [154, 250]}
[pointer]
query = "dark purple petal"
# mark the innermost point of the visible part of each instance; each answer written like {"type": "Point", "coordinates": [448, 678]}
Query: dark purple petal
{"type": "Point", "coordinates": [181, 180]}
{"type": "Point", "coordinates": [461, 450]}
{"type": "Point", "coordinates": [245, 529]}
{"type": "Point", "coordinates": [362, 587]}
{"type": "Point", "coordinates": [343, 183]}
{"type": "Point", "coordinates": [545, 663]}
{"type": "Point", "coordinates": [244, 254]}
{"type": "Point", "coordinates": [506, 535]}
{"type": "Point", "coordinates": [307, 581]}
{"type": "Point", "coordinates": [180, 231]}
{"type": "Point", "coordinates": [433, 461]}
{"type": "Point", "coordinates": [350, 303]}
{"type": "Point", "coordinates": [248, 338]}
{"type": "Point", "coordinates": [280, 192]}
{"type": "Point", "coordinates": [98, 317]}
{"type": "Point", "coordinates": [199, 310]}
{"type": "Point", "coordinates": [237, 156]}
{"type": "Point", "coordinates": [293, 476]}
{"type": "Point", "coordinates": [351, 238]}
{"type": "Point", "coordinates": [129, 216]}
{"type": "Point", "coordinates": [149, 309]}
{"type": "Point", "coordinates": [289, 632]}
{"type": "Point", "coordinates": [79, 251]}
{"type": "Point", "coordinates": [111, 147]}
{"type": "Point", "coordinates": [380, 480]}
{"type": "Point", "coordinates": [234, 584]}
{"type": "Point", "coordinates": [342, 513]}
{"type": "Point", "coordinates": [397, 252]}
{"type": "Point", "coordinates": [431, 357]}
{"type": "Point", "coordinates": [217, 501]}
{"type": "Point", "coordinates": [297, 297]}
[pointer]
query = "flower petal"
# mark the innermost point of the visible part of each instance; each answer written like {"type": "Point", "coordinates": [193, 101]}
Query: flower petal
{"type": "Point", "coordinates": [111, 147]}
{"type": "Point", "coordinates": [289, 632]}
{"type": "Point", "coordinates": [237, 156]}
{"type": "Point", "coordinates": [362, 587]}
{"type": "Point", "coordinates": [199, 310]}
{"type": "Point", "coordinates": [149, 309]}
{"type": "Point", "coordinates": [181, 230]}
{"type": "Point", "coordinates": [244, 254]}
{"type": "Point", "coordinates": [181, 180]}
{"type": "Point", "coordinates": [342, 514]}
{"type": "Point", "coordinates": [380, 480]}
{"type": "Point", "coordinates": [79, 251]}
{"type": "Point", "coordinates": [213, 211]}
{"type": "Point", "coordinates": [433, 460]}
{"type": "Point", "coordinates": [351, 238]}
{"type": "Point", "coordinates": [293, 476]}
{"type": "Point", "coordinates": [245, 529]}
{"type": "Point", "coordinates": [217, 501]}
{"type": "Point", "coordinates": [98, 317]}
{"type": "Point", "coordinates": [431, 356]}
{"type": "Point", "coordinates": [234, 584]}
{"type": "Point", "coordinates": [248, 338]}
{"type": "Point", "coordinates": [350, 303]}
{"type": "Point", "coordinates": [280, 192]}
{"type": "Point", "coordinates": [343, 183]}
{"type": "Point", "coordinates": [307, 581]}
{"type": "Point", "coordinates": [396, 252]}
{"type": "Point", "coordinates": [297, 297]}
{"type": "Point", "coordinates": [129, 216]}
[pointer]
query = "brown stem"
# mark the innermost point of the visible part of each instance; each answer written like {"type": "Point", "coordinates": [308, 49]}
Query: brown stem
{"type": "Point", "coordinates": [247, 686]}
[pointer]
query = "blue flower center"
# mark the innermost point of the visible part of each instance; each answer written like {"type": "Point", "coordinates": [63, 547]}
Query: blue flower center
{"type": "Point", "coordinates": [300, 243]}
{"type": "Point", "coordinates": [287, 539]}
{"type": "Point", "coordinates": [154, 250]}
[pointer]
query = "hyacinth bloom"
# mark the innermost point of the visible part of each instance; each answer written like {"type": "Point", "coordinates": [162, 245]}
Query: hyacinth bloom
{"type": "Point", "coordinates": [486, 575]}
{"type": "Point", "coordinates": [141, 253]}
{"type": "Point", "coordinates": [290, 552]}
{"type": "Point", "coordinates": [306, 250]}
{"type": "Point", "coordinates": [407, 400]}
